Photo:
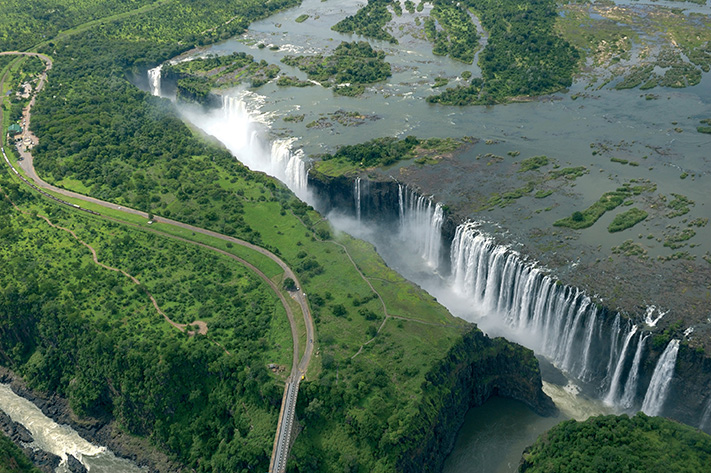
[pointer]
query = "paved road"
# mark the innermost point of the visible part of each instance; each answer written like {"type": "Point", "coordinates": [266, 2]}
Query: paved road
{"type": "Point", "coordinates": [299, 367]}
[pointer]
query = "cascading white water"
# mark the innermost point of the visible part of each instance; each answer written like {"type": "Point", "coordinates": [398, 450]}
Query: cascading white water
{"type": "Point", "coordinates": [154, 78]}
{"type": "Point", "coordinates": [612, 397]}
{"type": "Point", "coordinates": [241, 132]}
{"type": "Point", "coordinates": [630, 391]}
{"type": "Point", "coordinates": [661, 380]}
{"type": "Point", "coordinates": [556, 321]}
{"type": "Point", "coordinates": [60, 440]}
{"type": "Point", "coordinates": [356, 193]}
{"type": "Point", "coordinates": [421, 224]}
{"type": "Point", "coordinates": [705, 423]}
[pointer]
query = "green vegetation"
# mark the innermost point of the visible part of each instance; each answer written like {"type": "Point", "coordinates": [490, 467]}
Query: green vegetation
{"type": "Point", "coordinates": [630, 248]}
{"type": "Point", "coordinates": [667, 48]}
{"type": "Point", "coordinates": [531, 164]}
{"type": "Point", "coordinates": [524, 56]}
{"type": "Point", "coordinates": [568, 173]}
{"type": "Point", "coordinates": [678, 240]}
{"type": "Point", "coordinates": [680, 205]}
{"type": "Point", "coordinates": [93, 335]}
{"type": "Point", "coordinates": [291, 81]}
{"type": "Point", "coordinates": [502, 200]}
{"type": "Point", "coordinates": [440, 82]}
{"type": "Point", "coordinates": [384, 152]}
{"type": "Point", "coordinates": [12, 459]}
{"type": "Point", "coordinates": [608, 201]}
{"type": "Point", "coordinates": [355, 63]}
{"type": "Point", "coordinates": [705, 127]}
{"type": "Point", "coordinates": [198, 77]}
{"type": "Point", "coordinates": [295, 118]}
{"type": "Point", "coordinates": [619, 443]}
{"type": "Point", "coordinates": [457, 37]}
{"type": "Point", "coordinates": [302, 18]}
{"type": "Point", "coordinates": [369, 21]}
{"type": "Point", "coordinates": [625, 220]}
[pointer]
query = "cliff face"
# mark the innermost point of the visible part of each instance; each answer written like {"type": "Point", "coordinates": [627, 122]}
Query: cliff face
{"type": "Point", "coordinates": [474, 370]}
{"type": "Point", "coordinates": [378, 199]}
{"type": "Point", "coordinates": [690, 388]}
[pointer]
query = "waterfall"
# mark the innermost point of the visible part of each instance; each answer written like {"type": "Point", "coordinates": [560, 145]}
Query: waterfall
{"type": "Point", "coordinates": [661, 380]}
{"type": "Point", "coordinates": [421, 223]}
{"type": "Point", "coordinates": [630, 391]}
{"type": "Point", "coordinates": [154, 76]}
{"type": "Point", "coordinates": [706, 417]}
{"type": "Point", "coordinates": [612, 394]}
{"type": "Point", "coordinates": [356, 194]}
{"type": "Point", "coordinates": [240, 132]}
{"type": "Point", "coordinates": [243, 134]}
{"type": "Point", "coordinates": [555, 320]}
{"type": "Point", "coordinates": [289, 166]}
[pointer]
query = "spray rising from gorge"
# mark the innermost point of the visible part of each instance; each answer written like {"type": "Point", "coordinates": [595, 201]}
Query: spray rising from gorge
{"type": "Point", "coordinates": [472, 275]}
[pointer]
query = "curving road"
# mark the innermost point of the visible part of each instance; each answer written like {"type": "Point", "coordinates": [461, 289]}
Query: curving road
{"type": "Point", "coordinates": [299, 367]}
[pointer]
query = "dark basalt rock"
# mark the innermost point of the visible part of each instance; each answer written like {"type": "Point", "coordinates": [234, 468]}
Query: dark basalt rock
{"type": "Point", "coordinates": [75, 466]}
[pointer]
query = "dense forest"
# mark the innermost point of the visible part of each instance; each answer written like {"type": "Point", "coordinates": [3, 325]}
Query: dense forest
{"type": "Point", "coordinates": [369, 21]}
{"type": "Point", "coordinates": [12, 460]}
{"type": "Point", "coordinates": [620, 443]}
{"type": "Point", "coordinates": [523, 57]}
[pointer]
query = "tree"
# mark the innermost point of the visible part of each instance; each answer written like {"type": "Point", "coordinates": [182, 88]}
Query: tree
{"type": "Point", "coordinates": [290, 285]}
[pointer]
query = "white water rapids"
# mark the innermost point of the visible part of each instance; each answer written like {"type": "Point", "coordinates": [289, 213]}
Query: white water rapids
{"type": "Point", "coordinates": [60, 440]}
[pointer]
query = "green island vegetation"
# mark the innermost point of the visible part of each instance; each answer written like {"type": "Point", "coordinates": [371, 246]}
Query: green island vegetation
{"type": "Point", "coordinates": [705, 126]}
{"type": "Point", "coordinates": [608, 201]}
{"type": "Point", "coordinates": [680, 205]}
{"type": "Point", "coordinates": [12, 459]}
{"type": "Point", "coordinates": [198, 77]}
{"type": "Point", "coordinates": [456, 36]}
{"type": "Point", "coordinates": [540, 181]}
{"type": "Point", "coordinates": [666, 48]}
{"type": "Point", "coordinates": [355, 63]}
{"type": "Point", "coordinates": [292, 81]}
{"type": "Point", "coordinates": [531, 164]}
{"type": "Point", "coordinates": [302, 18]}
{"type": "Point", "coordinates": [295, 118]}
{"type": "Point", "coordinates": [343, 118]}
{"type": "Point", "coordinates": [93, 335]}
{"type": "Point", "coordinates": [619, 443]}
{"type": "Point", "coordinates": [369, 21]}
{"type": "Point", "coordinates": [630, 248]}
{"type": "Point", "coordinates": [678, 240]}
{"type": "Point", "coordinates": [440, 82]}
{"type": "Point", "coordinates": [385, 152]}
{"type": "Point", "coordinates": [524, 55]}
{"type": "Point", "coordinates": [625, 220]}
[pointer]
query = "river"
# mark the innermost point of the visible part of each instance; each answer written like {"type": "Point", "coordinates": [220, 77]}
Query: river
{"type": "Point", "coordinates": [61, 440]}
